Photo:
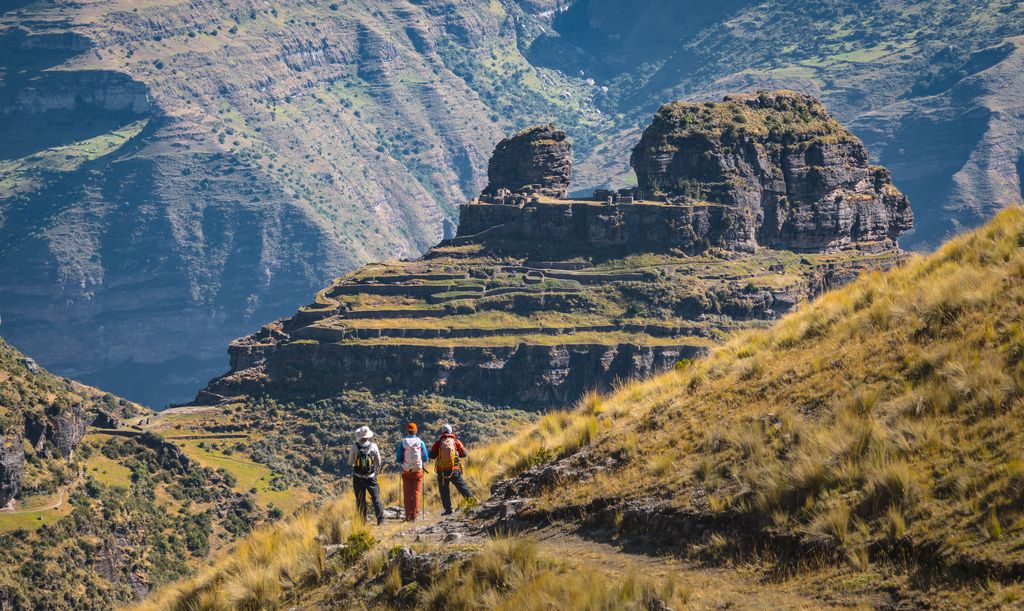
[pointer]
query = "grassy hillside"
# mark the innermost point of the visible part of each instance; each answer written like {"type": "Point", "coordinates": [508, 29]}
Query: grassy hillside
{"type": "Point", "coordinates": [877, 424]}
{"type": "Point", "coordinates": [178, 174]}
{"type": "Point", "coordinates": [100, 516]}
{"type": "Point", "coordinates": [865, 450]}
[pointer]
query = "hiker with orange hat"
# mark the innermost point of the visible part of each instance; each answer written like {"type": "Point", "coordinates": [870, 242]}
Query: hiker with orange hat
{"type": "Point", "coordinates": [412, 455]}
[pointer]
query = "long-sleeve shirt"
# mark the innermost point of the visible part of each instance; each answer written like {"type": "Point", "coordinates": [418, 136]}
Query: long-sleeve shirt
{"type": "Point", "coordinates": [460, 449]}
{"type": "Point", "coordinates": [400, 450]}
{"type": "Point", "coordinates": [375, 459]}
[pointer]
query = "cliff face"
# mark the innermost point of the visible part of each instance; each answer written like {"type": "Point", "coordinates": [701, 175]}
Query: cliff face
{"type": "Point", "coordinates": [588, 228]}
{"type": "Point", "coordinates": [173, 175]}
{"type": "Point", "coordinates": [535, 160]}
{"type": "Point", "coordinates": [527, 376]}
{"type": "Point", "coordinates": [12, 467]}
{"type": "Point", "coordinates": [778, 159]}
{"type": "Point", "coordinates": [59, 426]}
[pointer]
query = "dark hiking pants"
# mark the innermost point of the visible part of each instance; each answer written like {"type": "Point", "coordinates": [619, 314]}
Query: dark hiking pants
{"type": "Point", "coordinates": [444, 478]}
{"type": "Point", "coordinates": [362, 485]}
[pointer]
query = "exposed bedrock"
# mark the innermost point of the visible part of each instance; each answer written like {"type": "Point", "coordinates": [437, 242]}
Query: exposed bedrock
{"type": "Point", "coordinates": [61, 427]}
{"type": "Point", "coordinates": [779, 160]}
{"type": "Point", "coordinates": [526, 375]}
{"type": "Point", "coordinates": [12, 467]}
{"type": "Point", "coordinates": [535, 160]}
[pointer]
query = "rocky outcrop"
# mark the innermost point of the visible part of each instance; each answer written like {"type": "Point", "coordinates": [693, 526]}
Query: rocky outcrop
{"type": "Point", "coordinates": [782, 166]}
{"type": "Point", "coordinates": [536, 160]}
{"type": "Point", "coordinates": [12, 467]}
{"type": "Point", "coordinates": [69, 426]}
{"type": "Point", "coordinates": [61, 427]}
{"type": "Point", "coordinates": [527, 376]}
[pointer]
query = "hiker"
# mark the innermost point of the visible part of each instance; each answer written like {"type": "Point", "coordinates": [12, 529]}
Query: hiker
{"type": "Point", "coordinates": [364, 458]}
{"type": "Point", "coordinates": [412, 455]}
{"type": "Point", "coordinates": [447, 453]}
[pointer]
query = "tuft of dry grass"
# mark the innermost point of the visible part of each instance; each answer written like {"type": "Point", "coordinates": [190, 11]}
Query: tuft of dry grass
{"type": "Point", "coordinates": [264, 568]}
{"type": "Point", "coordinates": [509, 574]}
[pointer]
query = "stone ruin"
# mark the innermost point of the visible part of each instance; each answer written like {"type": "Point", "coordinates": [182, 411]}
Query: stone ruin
{"type": "Point", "coordinates": [771, 169]}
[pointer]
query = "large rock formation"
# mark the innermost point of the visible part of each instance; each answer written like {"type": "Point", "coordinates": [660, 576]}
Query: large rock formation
{"type": "Point", "coordinates": [790, 173]}
{"type": "Point", "coordinates": [535, 301]}
{"type": "Point", "coordinates": [536, 160]}
{"type": "Point", "coordinates": [12, 467]}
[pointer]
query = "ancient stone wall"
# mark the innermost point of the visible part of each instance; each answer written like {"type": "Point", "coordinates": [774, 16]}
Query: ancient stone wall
{"type": "Point", "coordinates": [590, 228]}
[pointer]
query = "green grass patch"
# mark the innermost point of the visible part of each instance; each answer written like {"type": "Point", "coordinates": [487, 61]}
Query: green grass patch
{"type": "Point", "coordinates": [108, 472]}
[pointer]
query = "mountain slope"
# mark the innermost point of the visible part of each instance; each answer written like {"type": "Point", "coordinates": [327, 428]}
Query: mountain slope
{"type": "Point", "coordinates": [211, 164]}
{"type": "Point", "coordinates": [864, 451]}
{"type": "Point", "coordinates": [96, 516]}
{"type": "Point", "coordinates": [171, 174]}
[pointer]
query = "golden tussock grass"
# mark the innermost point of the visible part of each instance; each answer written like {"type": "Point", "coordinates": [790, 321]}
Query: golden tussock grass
{"type": "Point", "coordinates": [889, 409]}
{"type": "Point", "coordinates": [511, 574]}
{"type": "Point", "coordinates": [262, 569]}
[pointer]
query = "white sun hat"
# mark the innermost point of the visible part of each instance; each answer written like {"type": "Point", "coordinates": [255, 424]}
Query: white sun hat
{"type": "Point", "coordinates": [364, 432]}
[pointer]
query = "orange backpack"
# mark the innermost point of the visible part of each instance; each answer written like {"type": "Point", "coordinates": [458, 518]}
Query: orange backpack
{"type": "Point", "coordinates": [447, 455]}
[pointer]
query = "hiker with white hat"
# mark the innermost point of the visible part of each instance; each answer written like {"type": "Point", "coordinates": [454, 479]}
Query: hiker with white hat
{"type": "Point", "coordinates": [364, 458]}
{"type": "Point", "coordinates": [447, 454]}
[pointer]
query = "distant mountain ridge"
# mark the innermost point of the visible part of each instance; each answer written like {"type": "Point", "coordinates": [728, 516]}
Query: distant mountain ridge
{"type": "Point", "coordinates": [172, 175]}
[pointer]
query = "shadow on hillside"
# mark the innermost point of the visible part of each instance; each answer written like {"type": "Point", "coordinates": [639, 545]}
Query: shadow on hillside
{"type": "Point", "coordinates": [42, 107]}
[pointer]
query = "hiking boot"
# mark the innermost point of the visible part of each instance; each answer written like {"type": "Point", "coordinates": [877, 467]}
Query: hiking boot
{"type": "Point", "coordinates": [446, 513]}
{"type": "Point", "coordinates": [380, 521]}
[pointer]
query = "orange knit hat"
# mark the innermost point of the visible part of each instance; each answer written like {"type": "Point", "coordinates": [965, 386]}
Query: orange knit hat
{"type": "Point", "coordinates": [411, 428]}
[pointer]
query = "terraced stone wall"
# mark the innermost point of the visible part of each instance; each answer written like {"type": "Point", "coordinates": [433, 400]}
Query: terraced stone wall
{"type": "Point", "coordinates": [588, 228]}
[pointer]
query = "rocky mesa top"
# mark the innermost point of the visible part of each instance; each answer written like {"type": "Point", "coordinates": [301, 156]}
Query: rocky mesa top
{"type": "Point", "coordinates": [769, 169]}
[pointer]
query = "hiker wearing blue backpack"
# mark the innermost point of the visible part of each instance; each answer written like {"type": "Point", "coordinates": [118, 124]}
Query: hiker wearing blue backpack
{"type": "Point", "coordinates": [364, 458]}
{"type": "Point", "coordinates": [412, 455]}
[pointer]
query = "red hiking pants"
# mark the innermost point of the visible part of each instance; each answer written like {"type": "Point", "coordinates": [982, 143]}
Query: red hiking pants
{"type": "Point", "coordinates": [412, 486]}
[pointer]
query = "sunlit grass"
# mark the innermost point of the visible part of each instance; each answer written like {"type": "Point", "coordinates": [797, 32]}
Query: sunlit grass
{"type": "Point", "coordinates": [880, 411]}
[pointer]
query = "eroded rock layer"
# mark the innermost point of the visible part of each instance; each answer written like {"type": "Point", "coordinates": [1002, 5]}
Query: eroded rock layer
{"type": "Point", "coordinates": [523, 375]}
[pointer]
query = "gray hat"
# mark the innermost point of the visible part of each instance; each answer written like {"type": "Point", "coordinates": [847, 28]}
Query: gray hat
{"type": "Point", "coordinates": [446, 429]}
{"type": "Point", "coordinates": [364, 432]}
